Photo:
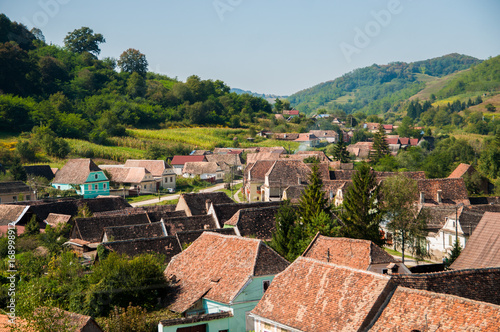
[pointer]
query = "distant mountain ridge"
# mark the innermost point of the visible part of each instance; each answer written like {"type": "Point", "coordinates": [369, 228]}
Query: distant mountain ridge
{"type": "Point", "coordinates": [267, 96]}
{"type": "Point", "coordinates": [378, 88]}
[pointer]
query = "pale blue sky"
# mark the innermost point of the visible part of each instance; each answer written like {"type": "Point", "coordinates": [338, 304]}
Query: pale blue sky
{"type": "Point", "coordinates": [271, 46]}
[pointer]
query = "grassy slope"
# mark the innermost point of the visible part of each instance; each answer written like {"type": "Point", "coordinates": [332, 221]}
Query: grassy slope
{"type": "Point", "coordinates": [433, 85]}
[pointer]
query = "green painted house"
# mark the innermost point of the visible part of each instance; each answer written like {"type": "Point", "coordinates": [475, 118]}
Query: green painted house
{"type": "Point", "coordinates": [84, 176]}
{"type": "Point", "coordinates": [219, 280]}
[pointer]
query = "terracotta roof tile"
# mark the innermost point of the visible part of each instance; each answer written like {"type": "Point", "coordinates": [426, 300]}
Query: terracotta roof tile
{"type": "Point", "coordinates": [225, 211]}
{"type": "Point", "coordinates": [129, 232]}
{"type": "Point", "coordinates": [483, 247]}
{"type": "Point", "coordinates": [259, 222]}
{"type": "Point", "coordinates": [196, 202]}
{"type": "Point", "coordinates": [288, 173]}
{"type": "Point", "coordinates": [90, 229]}
{"type": "Point", "coordinates": [127, 174]}
{"type": "Point", "coordinates": [188, 237]}
{"type": "Point", "coordinates": [166, 245]}
{"type": "Point", "coordinates": [259, 169]}
{"type": "Point", "coordinates": [155, 167]}
{"type": "Point", "coordinates": [217, 267]}
{"type": "Point", "coordinates": [453, 191]}
{"type": "Point", "coordinates": [230, 158]}
{"type": "Point", "coordinates": [418, 310]}
{"type": "Point", "coordinates": [261, 156]}
{"type": "Point", "coordinates": [199, 168]}
{"type": "Point", "coordinates": [179, 224]}
{"type": "Point", "coordinates": [10, 213]}
{"type": "Point", "coordinates": [460, 171]}
{"type": "Point", "coordinates": [181, 160]}
{"type": "Point", "coordinates": [54, 219]}
{"type": "Point", "coordinates": [358, 254]}
{"type": "Point", "coordinates": [312, 295]}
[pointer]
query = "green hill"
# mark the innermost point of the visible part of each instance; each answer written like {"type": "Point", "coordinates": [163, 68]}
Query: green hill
{"type": "Point", "coordinates": [378, 88]}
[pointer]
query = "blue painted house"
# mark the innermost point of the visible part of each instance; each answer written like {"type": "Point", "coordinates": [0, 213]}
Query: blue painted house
{"type": "Point", "coordinates": [83, 174]}
{"type": "Point", "coordinates": [219, 280]}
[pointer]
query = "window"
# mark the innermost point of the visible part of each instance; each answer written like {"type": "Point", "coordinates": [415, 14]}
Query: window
{"type": "Point", "coordinates": [14, 198]}
{"type": "Point", "coordinates": [265, 285]}
{"type": "Point", "coordinates": [96, 176]}
{"type": "Point", "coordinates": [104, 186]}
{"type": "Point", "coordinates": [0, 199]}
{"type": "Point", "coordinates": [59, 187]}
{"type": "Point", "coordinates": [384, 271]}
{"type": "Point", "coordinates": [171, 179]}
{"type": "Point", "coordinates": [96, 186]}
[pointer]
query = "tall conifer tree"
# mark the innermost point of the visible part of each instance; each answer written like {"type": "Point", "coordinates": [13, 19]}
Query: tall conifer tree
{"type": "Point", "coordinates": [340, 150]}
{"type": "Point", "coordinates": [380, 146]}
{"type": "Point", "coordinates": [361, 214]}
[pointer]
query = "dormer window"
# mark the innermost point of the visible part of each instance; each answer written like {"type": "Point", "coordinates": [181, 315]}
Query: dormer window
{"type": "Point", "coordinates": [96, 176]}
{"type": "Point", "coordinates": [265, 285]}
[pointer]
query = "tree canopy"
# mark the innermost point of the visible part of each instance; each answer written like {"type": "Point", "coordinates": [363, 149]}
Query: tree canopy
{"type": "Point", "coordinates": [84, 40]}
{"type": "Point", "coordinates": [133, 61]}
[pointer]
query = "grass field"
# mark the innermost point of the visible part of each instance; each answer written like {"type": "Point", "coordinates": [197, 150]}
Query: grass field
{"type": "Point", "coordinates": [90, 150]}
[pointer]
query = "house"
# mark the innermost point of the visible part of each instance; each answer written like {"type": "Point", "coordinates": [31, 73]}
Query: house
{"type": "Point", "coordinates": [178, 162]}
{"type": "Point", "coordinates": [163, 173]}
{"type": "Point", "coordinates": [71, 321]}
{"type": "Point", "coordinates": [55, 219]}
{"type": "Point", "coordinates": [449, 191]}
{"type": "Point", "coordinates": [286, 136]}
{"type": "Point", "coordinates": [466, 171]}
{"type": "Point", "coordinates": [196, 203]}
{"type": "Point", "coordinates": [231, 159]}
{"type": "Point", "coordinates": [256, 222]}
{"type": "Point", "coordinates": [329, 136]}
{"type": "Point", "coordinates": [483, 248]}
{"type": "Point", "coordinates": [223, 212]}
{"type": "Point", "coordinates": [90, 229]}
{"type": "Point", "coordinates": [354, 253]}
{"type": "Point", "coordinates": [475, 284]}
{"type": "Point", "coordinates": [186, 238]}
{"type": "Point", "coordinates": [301, 155]}
{"type": "Point", "coordinates": [360, 150]}
{"type": "Point", "coordinates": [452, 221]}
{"type": "Point", "coordinates": [290, 113]}
{"type": "Point", "coordinates": [208, 171]}
{"type": "Point", "coordinates": [191, 223]}
{"type": "Point", "coordinates": [270, 155]}
{"type": "Point", "coordinates": [219, 279]}
{"type": "Point", "coordinates": [168, 246]}
{"type": "Point", "coordinates": [388, 128]}
{"type": "Point", "coordinates": [314, 295]}
{"type": "Point", "coordinates": [372, 127]}
{"type": "Point", "coordinates": [308, 140]}
{"type": "Point", "coordinates": [43, 171]}
{"type": "Point", "coordinates": [84, 176]}
{"type": "Point", "coordinates": [15, 191]}
{"type": "Point", "coordinates": [281, 174]}
{"type": "Point", "coordinates": [254, 178]}
{"type": "Point", "coordinates": [13, 216]}
{"type": "Point", "coordinates": [419, 310]}
{"type": "Point", "coordinates": [293, 193]}
{"type": "Point", "coordinates": [129, 232]}
{"type": "Point", "coordinates": [133, 179]}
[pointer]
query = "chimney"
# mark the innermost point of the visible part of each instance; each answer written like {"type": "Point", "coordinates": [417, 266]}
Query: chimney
{"type": "Point", "coordinates": [422, 197]}
{"type": "Point", "coordinates": [439, 196]}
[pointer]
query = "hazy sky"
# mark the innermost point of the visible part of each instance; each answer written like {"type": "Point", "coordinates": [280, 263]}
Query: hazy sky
{"type": "Point", "coordinates": [271, 46]}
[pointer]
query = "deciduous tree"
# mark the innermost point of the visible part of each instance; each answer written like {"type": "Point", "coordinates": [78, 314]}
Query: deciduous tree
{"type": "Point", "coordinates": [84, 40]}
{"type": "Point", "coordinates": [133, 61]}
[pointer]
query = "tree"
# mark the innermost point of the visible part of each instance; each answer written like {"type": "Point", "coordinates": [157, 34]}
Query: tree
{"type": "Point", "coordinates": [278, 105]}
{"type": "Point", "coordinates": [361, 213]}
{"type": "Point", "coordinates": [314, 212]}
{"type": "Point", "coordinates": [454, 253]}
{"type": "Point", "coordinates": [136, 85]}
{"type": "Point", "coordinates": [32, 227]}
{"type": "Point", "coordinates": [283, 239]}
{"type": "Point", "coordinates": [380, 146]}
{"type": "Point", "coordinates": [400, 194]}
{"type": "Point", "coordinates": [340, 150]}
{"type": "Point", "coordinates": [84, 40]}
{"type": "Point", "coordinates": [490, 108]}
{"type": "Point", "coordinates": [17, 171]}
{"type": "Point", "coordinates": [133, 61]}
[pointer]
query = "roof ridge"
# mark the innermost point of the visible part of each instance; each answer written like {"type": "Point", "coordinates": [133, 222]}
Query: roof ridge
{"type": "Point", "coordinates": [141, 239]}
{"type": "Point", "coordinates": [317, 261]}
{"type": "Point", "coordinates": [445, 295]}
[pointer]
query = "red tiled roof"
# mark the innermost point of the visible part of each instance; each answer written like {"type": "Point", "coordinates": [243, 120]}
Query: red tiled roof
{"type": "Point", "coordinates": [155, 167]}
{"type": "Point", "coordinates": [392, 140]}
{"type": "Point", "coordinates": [483, 247]}
{"type": "Point", "coordinates": [258, 170]}
{"type": "Point", "coordinates": [404, 140]}
{"type": "Point", "coordinates": [419, 310]}
{"type": "Point", "coordinates": [453, 191]}
{"type": "Point", "coordinates": [388, 126]}
{"type": "Point", "coordinates": [460, 171]}
{"type": "Point", "coordinates": [290, 112]}
{"type": "Point", "coordinates": [358, 254]}
{"type": "Point", "coordinates": [217, 267]}
{"type": "Point", "coordinates": [181, 160]}
{"type": "Point", "coordinates": [306, 137]}
{"type": "Point", "coordinates": [312, 295]}
{"type": "Point", "coordinates": [414, 141]}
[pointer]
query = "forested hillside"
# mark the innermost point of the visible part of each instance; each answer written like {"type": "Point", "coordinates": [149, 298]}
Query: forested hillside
{"type": "Point", "coordinates": [378, 88]}
{"type": "Point", "coordinates": [71, 92]}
